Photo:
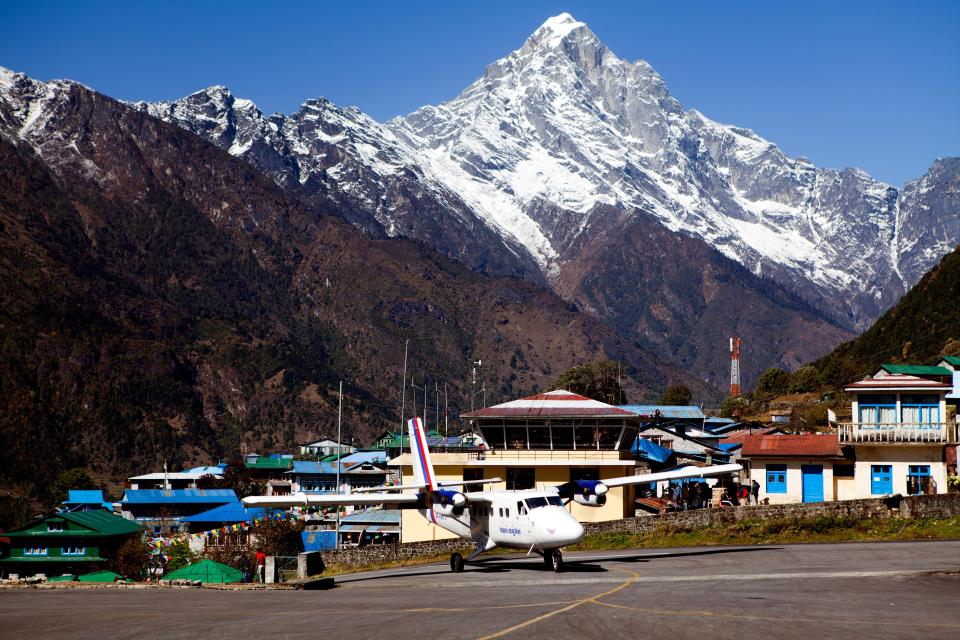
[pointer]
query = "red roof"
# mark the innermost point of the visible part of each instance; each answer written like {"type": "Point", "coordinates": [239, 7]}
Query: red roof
{"type": "Point", "coordinates": [803, 445]}
{"type": "Point", "coordinates": [559, 403]}
{"type": "Point", "coordinates": [737, 436]}
{"type": "Point", "coordinates": [895, 382]}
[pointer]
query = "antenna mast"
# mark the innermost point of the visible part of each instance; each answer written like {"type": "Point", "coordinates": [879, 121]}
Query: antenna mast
{"type": "Point", "coordinates": [735, 367]}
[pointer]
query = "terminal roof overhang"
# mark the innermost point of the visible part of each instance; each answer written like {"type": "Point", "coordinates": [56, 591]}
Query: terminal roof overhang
{"type": "Point", "coordinates": [554, 404]}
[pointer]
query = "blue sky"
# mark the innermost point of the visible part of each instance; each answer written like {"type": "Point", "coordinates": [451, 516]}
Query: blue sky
{"type": "Point", "coordinates": [869, 84]}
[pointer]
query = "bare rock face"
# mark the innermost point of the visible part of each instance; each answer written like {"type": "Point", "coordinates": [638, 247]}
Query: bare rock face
{"type": "Point", "coordinates": [561, 144]}
{"type": "Point", "coordinates": [166, 300]}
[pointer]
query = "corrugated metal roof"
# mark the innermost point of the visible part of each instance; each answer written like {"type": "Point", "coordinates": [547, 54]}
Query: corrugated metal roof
{"type": "Point", "coordinates": [365, 456]}
{"type": "Point", "coordinates": [896, 381]}
{"type": "Point", "coordinates": [373, 516]}
{"type": "Point", "coordinates": [86, 496]}
{"type": "Point", "coordinates": [650, 450]}
{"type": "Point", "coordinates": [680, 412]}
{"type": "Point", "coordinates": [916, 369]}
{"type": "Point", "coordinates": [230, 512]}
{"type": "Point", "coordinates": [99, 522]}
{"type": "Point", "coordinates": [802, 445]}
{"type": "Point", "coordinates": [179, 496]}
{"type": "Point", "coordinates": [558, 403]}
{"type": "Point", "coordinates": [954, 360]}
{"type": "Point", "coordinates": [269, 463]}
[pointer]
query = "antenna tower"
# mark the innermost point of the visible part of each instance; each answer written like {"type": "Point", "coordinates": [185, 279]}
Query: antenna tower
{"type": "Point", "coordinates": [735, 367]}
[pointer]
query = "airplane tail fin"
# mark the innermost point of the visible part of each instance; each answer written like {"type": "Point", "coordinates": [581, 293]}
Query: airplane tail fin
{"type": "Point", "coordinates": [422, 464]}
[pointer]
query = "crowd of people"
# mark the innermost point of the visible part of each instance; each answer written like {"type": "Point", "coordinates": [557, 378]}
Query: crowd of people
{"type": "Point", "coordinates": [698, 495]}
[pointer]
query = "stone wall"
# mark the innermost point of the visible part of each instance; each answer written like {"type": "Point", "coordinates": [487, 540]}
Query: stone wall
{"type": "Point", "coordinates": [944, 505]}
{"type": "Point", "coordinates": [382, 553]}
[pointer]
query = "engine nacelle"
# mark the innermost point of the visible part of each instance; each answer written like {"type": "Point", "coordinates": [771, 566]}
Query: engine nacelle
{"type": "Point", "coordinates": [448, 503]}
{"type": "Point", "coordinates": [592, 493]}
{"type": "Point", "coordinates": [592, 500]}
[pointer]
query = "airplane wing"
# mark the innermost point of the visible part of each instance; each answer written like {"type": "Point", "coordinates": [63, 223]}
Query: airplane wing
{"type": "Point", "coordinates": [676, 474]}
{"type": "Point", "coordinates": [479, 497]}
{"type": "Point", "coordinates": [332, 499]}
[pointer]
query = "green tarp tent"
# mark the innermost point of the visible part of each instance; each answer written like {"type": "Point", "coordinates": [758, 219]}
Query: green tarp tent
{"type": "Point", "coordinates": [207, 571]}
{"type": "Point", "coordinates": [67, 577]}
{"type": "Point", "coordinates": [100, 576]}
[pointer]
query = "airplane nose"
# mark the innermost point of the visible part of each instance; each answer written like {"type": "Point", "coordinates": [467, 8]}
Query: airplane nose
{"type": "Point", "coordinates": [559, 529]}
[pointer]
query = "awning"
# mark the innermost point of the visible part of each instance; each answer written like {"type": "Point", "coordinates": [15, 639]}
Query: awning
{"type": "Point", "coordinates": [372, 528]}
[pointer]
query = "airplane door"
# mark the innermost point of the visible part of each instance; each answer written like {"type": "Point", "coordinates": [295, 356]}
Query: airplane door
{"type": "Point", "coordinates": [525, 525]}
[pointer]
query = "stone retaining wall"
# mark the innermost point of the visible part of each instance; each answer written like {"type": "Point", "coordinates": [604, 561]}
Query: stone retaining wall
{"type": "Point", "coordinates": [944, 505]}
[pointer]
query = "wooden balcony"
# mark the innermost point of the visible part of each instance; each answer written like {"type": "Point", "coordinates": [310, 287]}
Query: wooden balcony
{"type": "Point", "coordinates": [897, 433]}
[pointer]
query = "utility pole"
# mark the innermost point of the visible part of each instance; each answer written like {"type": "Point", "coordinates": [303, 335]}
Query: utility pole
{"type": "Point", "coordinates": [446, 413]}
{"type": "Point", "coordinates": [339, 418]}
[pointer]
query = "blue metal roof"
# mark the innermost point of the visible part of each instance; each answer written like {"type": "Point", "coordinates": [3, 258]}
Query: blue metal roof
{"type": "Point", "coordinates": [650, 450]}
{"type": "Point", "coordinates": [228, 513]}
{"type": "Point", "coordinates": [316, 468]}
{"type": "Point", "coordinates": [674, 412]}
{"type": "Point", "coordinates": [85, 496]}
{"type": "Point", "coordinates": [730, 446]}
{"type": "Point", "coordinates": [179, 496]}
{"type": "Point", "coordinates": [378, 516]}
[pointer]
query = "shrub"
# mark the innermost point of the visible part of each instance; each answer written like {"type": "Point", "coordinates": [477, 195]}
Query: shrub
{"type": "Point", "coordinates": [773, 381]}
{"type": "Point", "coordinates": [131, 559]}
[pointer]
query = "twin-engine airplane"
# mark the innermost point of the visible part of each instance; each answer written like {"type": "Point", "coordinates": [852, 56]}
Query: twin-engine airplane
{"type": "Point", "coordinates": [534, 520]}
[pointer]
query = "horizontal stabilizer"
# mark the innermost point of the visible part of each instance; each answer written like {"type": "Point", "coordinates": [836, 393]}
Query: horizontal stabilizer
{"type": "Point", "coordinates": [676, 474]}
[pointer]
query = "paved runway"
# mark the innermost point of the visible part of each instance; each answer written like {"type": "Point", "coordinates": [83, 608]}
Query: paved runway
{"type": "Point", "coordinates": [889, 590]}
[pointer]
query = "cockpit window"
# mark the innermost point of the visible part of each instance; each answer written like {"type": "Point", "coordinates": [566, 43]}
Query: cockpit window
{"type": "Point", "coordinates": [534, 503]}
{"type": "Point", "coordinates": [555, 500]}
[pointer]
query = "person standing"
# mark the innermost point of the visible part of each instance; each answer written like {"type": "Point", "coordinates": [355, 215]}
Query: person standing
{"type": "Point", "coordinates": [261, 561]}
{"type": "Point", "coordinates": [755, 492]}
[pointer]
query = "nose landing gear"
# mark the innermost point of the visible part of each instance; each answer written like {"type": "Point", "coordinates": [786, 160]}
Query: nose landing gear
{"type": "Point", "coordinates": [553, 559]}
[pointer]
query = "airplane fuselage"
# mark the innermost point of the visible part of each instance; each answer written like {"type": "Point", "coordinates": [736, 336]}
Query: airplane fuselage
{"type": "Point", "coordinates": [519, 519]}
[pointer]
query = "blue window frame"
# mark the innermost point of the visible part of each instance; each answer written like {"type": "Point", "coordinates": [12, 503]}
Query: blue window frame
{"type": "Point", "coordinates": [919, 481]}
{"type": "Point", "coordinates": [876, 409]}
{"type": "Point", "coordinates": [776, 478]}
{"type": "Point", "coordinates": [73, 551]}
{"type": "Point", "coordinates": [922, 410]}
{"type": "Point", "coordinates": [35, 551]}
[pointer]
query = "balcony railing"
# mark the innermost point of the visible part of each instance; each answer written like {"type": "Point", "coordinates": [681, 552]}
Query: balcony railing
{"type": "Point", "coordinates": [896, 432]}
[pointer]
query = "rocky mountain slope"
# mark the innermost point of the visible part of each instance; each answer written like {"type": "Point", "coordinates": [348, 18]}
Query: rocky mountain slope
{"type": "Point", "coordinates": [165, 301]}
{"type": "Point", "coordinates": [562, 153]}
{"type": "Point", "coordinates": [915, 331]}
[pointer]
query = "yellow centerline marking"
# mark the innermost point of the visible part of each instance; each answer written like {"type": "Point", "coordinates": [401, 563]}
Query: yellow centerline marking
{"type": "Point", "coordinates": [577, 603]}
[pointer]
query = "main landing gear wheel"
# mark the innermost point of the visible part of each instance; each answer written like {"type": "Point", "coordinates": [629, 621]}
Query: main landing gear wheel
{"type": "Point", "coordinates": [456, 563]}
{"type": "Point", "coordinates": [554, 560]}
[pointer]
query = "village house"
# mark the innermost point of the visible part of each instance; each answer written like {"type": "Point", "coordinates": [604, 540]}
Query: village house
{"type": "Point", "coordinates": [798, 468]}
{"type": "Point", "coordinates": [326, 447]}
{"type": "Point", "coordinates": [68, 542]}
{"type": "Point", "coordinates": [85, 500]}
{"type": "Point", "coordinates": [900, 430]}
{"type": "Point", "coordinates": [186, 479]}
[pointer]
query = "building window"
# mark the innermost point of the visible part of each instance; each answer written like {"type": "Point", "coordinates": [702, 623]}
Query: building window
{"type": "Point", "coordinates": [919, 481]}
{"type": "Point", "coordinates": [55, 526]}
{"type": "Point", "coordinates": [472, 474]}
{"type": "Point", "coordinates": [520, 478]}
{"type": "Point", "coordinates": [877, 409]}
{"type": "Point", "coordinates": [919, 409]}
{"type": "Point", "coordinates": [73, 551]}
{"type": "Point", "coordinates": [776, 478]}
{"type": "Point", "coordinates": [843, 470]}
{"type": "Point", "coordinates": [35, 551]}
{"type": "Point", "coordinates": [584, 473]}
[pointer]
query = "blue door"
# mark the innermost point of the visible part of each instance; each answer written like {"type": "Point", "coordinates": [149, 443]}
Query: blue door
{"type": "Point", "coordinates": [881, 479]}
{"type": "Point", "coordinates": [812, 482]}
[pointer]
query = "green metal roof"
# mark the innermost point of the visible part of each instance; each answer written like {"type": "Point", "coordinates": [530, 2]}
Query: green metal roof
{"type": "Point", "coordinates": [97, 522]}
{"type": "Point", "coordinates": [100, 576]}
{"type": "Point", "coordinates": [269, 463]}
{"type": "Point", "coordinates": [59, 559]}
{"type": "Point", "coordinates": [917, 369]}
{"type": "Point", "coordinates": [954, 360]}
